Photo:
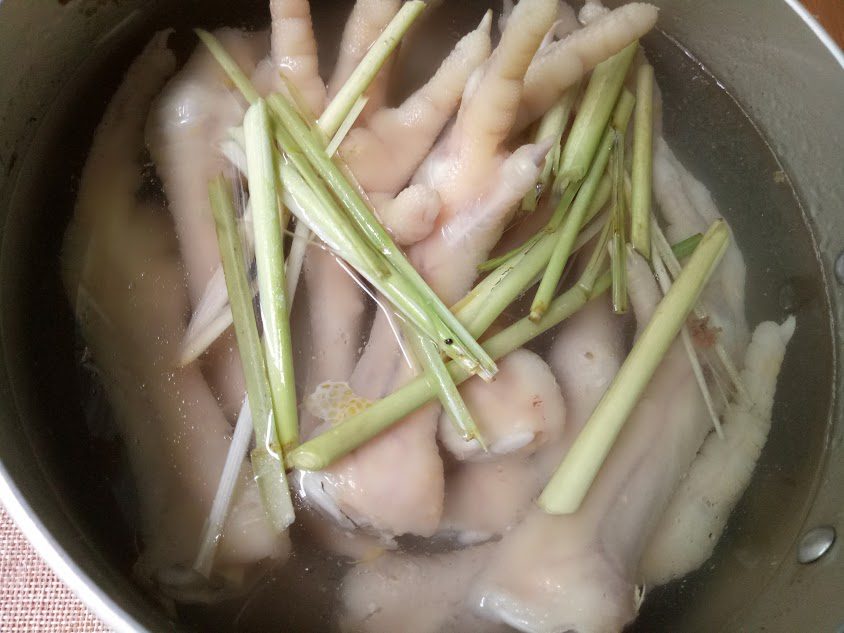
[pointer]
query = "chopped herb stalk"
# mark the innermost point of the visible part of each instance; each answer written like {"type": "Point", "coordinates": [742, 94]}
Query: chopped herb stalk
{"type": "Point", "coordinates": [640, 210]}
{"type": "Point", "coordinates": [266, 459]}
{"type": "Point", "coordinates": [369, 66]}
{"type": "Point", "coordinates": [572, 480]}
{"type": "Point", "coordinates": [618, 239]}
{"type": "Point", "coordinates": [594, 113]}
{"type": "Point", "coordinates": [664, 281]}
{"type": "Point", "coordinates": [443, 384]}
{"type": "Point", "coordinates": [269, 260]}
{"type": "Point", "coordinates": [551, 126]}
{"type": "Point", "coordinates": [567, 234]}
{"type": "Point", "coordinates": [684, 249]}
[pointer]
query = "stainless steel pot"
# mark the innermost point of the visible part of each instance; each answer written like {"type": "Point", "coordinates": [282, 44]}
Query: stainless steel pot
{"type": "Point", "coordinates": [771, 56]}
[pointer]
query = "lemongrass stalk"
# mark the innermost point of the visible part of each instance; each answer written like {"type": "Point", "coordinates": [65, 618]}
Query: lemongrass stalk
{"type": "Point", "coordinates": [551, 126]}
{"type": "Point", "coordinates": [596, 259]}
{"type": "Point", "coordinates": [370, 65]}
{"type": "Point", "coordinates": [443, 384]}
{"type": "Point", "coordinates": [325, 449]}
{"type": "Point", "coordinates": [269, 469]}
{"type": "Point", "coordinates": [673, 264]}
{"type": "Point", "coordinates": [640, 210]}
{"type": "Point", "coordinates": [573, 222]}
{"type": "Point", "coordinates": [269, 262]}
{"type": "Point", "coordinates": [664, 281]}
{"type": "Point", "coordinates": [213, 528]}
{"type": "Point", "coordinates": [347, 124]}
{"type": "Point", "coordinates": [618, 239]}
{"type": "Point", "coordinates": [686, 247]}
{"type": "Point", "coordinates": [594, 113]}
{"type": "Point", "coordinates": [455, 341]}
{"type": "Point", "coordinates": [298, 248]}
{"type": "Point", "coordinates": [572, 480]}
{"type": "Point", "coordinates": [229, 65]}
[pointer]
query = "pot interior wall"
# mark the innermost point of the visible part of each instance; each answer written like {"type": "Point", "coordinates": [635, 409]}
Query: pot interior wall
{"type": "Point", "coordinates": [77, 483]}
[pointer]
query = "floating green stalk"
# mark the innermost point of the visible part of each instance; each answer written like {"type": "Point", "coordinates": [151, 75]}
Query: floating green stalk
{"type": "Point", "coordinates": [266, 458]}
{"type": "Point", "coordinates": [551, 126]}
{"type": "Point", "coordinates": [444, 386]}
{"type": "Point", "coordinates": [269, 260]}
{"type": "Point", "coordinates": [640, 210]}
{"type": "Point", "coordinates": [594, 113]}
{"type": "Point", "coordinates": [574, 220]}
{"type": "Point", "coordinates": [572, 480]}
{"type": "Point", "coordinates": [369, 66]}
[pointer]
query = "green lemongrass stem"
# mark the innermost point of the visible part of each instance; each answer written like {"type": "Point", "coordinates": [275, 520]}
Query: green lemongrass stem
{"type": "Point", "coordinates": [455, 341]}
{"type": "Point", "coordinates": [269, 262]}
{"type": "Point", "coordinates": [672, 263]}
{"type": "Point", "coordinates": [338, 441]}
{"type": "Point", "coordinates": [594, 113]}
{"type": "Point", "coordinates": [572, 480]}
{"type": "Point", "coordinates": [567, 234]}
{"type": "Point", "coordinates": [664, 281]}
{"type": "Point", "coordinates": [596, 259]}
{"type": "Point", "coordinates": [444, 386]}
{"type": "Point", "coordinates": [213, 528]}
{"type": "Point", "coordinates": [685, 248]}
{"type": "Point", "coordinates": [551, 126]}
{"type": "Point", "coordinates": [348, 122]}
{"type": "Point", "coordinates": [267, 462]}
{"type": "Point", "coordinates": [640, 210]}
{"type": "Point", "coordinates": [370, 65]}
{"type": "Point", "coordinates": [618, 252]}
{"type": "Point", "coordinates": [229, 65]}
{"type": "Point", "coordinates": [325, 449]}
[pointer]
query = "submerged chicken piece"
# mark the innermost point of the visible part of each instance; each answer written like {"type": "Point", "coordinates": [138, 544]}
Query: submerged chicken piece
{"type": "Point", "coordinates": [187, 123]}
{"type": "Point", "coordinates": [485, 499]}
{"type": "Point", "coordinates": [698, 512]}
{"type": "Point", "coordinates": [293, 52]}
{"type": "Point", "coordinates": [413, 594]}
{"type": "Point", "coordinates": [520, 410]}
{"type": "Point", "coordinates": [121, 269]}
{"type": "Point", "coordinates": [579, 571]}
{"type": "Point", "coordinates": [475, 209]}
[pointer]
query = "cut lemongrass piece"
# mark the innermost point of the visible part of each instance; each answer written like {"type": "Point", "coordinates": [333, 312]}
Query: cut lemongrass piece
{"type": "Point", "coordinates": [348, 122]}
{"type": "Point", "coordinates": [642, 177]}
{"type": "Point", "coordinates": [673, 264]}
{"type": "Point", "coordinates": [269, 261]}
{"type": "Point", "coordinates": [369, 66]}
{"type": "Point", "coordinates": [596, 260]}
{"type": "Point", "coordinates": [551, 126]}
{"type": "Point", "coordinates": [230, 67]}
{"type": "Point", "coordinates": [573, 222]}
{"type": "Point", "coordinates": [594, 113]}
{"type": "Point", "coordinates": [684, 249]}
{"type": "Point", "coordinates": [295, 259]}
{"type": "Point", "coordinates": [618, 251]}
{"type": "Point", "coordinates": [213, 528]}
{"type": "Point", "coordinates": [450, 398]}
{"type": "Point", "coordinates": [572, 480]}
{"type": "Point", "coordinates": [664, 281]}
{"type": "Point", "coordinates": [267, 461]}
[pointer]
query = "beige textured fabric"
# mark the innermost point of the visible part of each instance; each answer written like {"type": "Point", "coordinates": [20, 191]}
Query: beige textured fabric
{"type": "Point", "coordinates": [32, 598]}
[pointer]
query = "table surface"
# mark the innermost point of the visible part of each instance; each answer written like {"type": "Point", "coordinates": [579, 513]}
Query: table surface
{"type": "Point", "coordinates": [33, 599]}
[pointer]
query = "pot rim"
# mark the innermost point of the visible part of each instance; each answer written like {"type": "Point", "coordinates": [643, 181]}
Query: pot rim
{"type": "Point", "coordinates": [82, 585]}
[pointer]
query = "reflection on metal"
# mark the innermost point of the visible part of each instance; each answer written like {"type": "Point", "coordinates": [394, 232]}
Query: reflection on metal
{"type": "Point", "coordinates": [815, 543]}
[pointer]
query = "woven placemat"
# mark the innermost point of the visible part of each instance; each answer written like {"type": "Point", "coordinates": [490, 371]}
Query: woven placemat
{"type": "Point", "coordinates": [32, 598]}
